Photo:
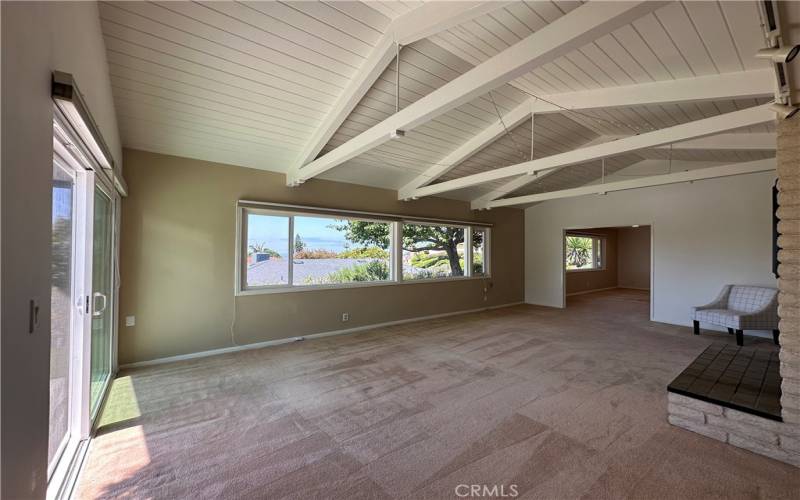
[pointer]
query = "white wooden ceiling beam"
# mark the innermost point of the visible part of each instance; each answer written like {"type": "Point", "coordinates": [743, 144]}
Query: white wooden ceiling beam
{"type": "Point", "coordinates": [761, 141]}
{"type": "Point", "coordinates": [422, 22]}
{"type": "Point", "coordinates": [575, 29]}
{"type": "Point", "coordinates": [730, 142]}
{"type": "Point", "coordinates": [700, 128]}
{"type": "Point", "coordinates": [743, 84]}
{"type": "Point", "coordinates": [737, 85]}
{"type": "Point", "coordinates": [749, 167]}
{"type": "Point", "coordinates": [510, 120]}
{"type": "Point", "coordinates": [523, 180]}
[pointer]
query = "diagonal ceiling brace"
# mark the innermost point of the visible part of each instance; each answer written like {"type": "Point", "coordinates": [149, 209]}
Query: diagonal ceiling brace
{"type": "Point", "coordinates": [579, 27]}
{"type": "Point", "coordinates": [699, 128]}
{"type": "Point", "coordinates": [741, 84]}
{"type": "Point", "coordinates": [749, 167]}
{"type": "Point", "coordinates": [419, 23]}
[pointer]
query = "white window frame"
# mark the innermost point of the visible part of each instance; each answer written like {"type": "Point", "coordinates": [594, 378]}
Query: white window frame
{"type": "Point", "coordinates": [395, 250]}
{"type": "Point", "coordinates": [467, 243]}
{"type": "Point", "coordinates": [598, 252]}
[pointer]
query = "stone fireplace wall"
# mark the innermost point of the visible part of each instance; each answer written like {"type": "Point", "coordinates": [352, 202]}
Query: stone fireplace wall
{"type": "Point", "coordinates": [778, 440]}
{"type": "Point", "coordinates": [788, 159]}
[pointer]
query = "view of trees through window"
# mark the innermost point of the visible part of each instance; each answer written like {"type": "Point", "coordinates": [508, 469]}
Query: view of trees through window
{"type": "Point", "coordinates": [583, 252]}
{"type": "Point", "coordinates": [478, 251]}
{"type": "Point", "coordinates": [326, 250]}
{"type": "Point", "coordinates": [432, 251]}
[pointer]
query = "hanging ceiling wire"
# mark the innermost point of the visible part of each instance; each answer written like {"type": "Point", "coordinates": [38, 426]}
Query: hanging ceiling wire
{"type": "Point", "coordinates": [397, 79]}
{"type": "Point", "coordinates": [508, 132]}
{"type": "Point", "coordinates": [582, 113]}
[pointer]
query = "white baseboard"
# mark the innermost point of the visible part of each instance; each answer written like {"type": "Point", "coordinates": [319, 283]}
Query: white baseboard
{"type": "Point", "coordinates": [269, 343]}
{"type": "Point", "coordinates": [592, 291]}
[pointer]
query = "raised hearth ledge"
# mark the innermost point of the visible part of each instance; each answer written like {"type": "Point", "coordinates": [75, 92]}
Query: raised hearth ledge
{"type": "Point", "coordinates": [757, 434]}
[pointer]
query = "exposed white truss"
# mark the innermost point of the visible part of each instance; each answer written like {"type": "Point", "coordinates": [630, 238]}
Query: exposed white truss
{"type": "Point", "coordinates": [643, 182]}
{"type": "Point", "coordinates": [743, 84]}
{"type": "Point", "coordinates": [700, 128]}
{"type": "Point", "coordinates": [580, 26]}
{"type": "Point", "coordinates": [422, 22]}
{"type": "Point", "coordinates": [729, 142]}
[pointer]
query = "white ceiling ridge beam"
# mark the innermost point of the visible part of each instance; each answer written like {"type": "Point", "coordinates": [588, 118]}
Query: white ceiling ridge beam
{"type": "Point", "coordinates": [749, 167]}
{"type": "Point", "coordinates": [487, 136]}
{"type": "Point", "coordinates": [482, 202]}
{"type": "Point", "coordinates": [582, 25]}
{"type": "Point", "coordinates": [736, 85]}
{"type": "Point", "coordinates": [755, 115]}
{"type": "Point", "coordinates": [422, 22]}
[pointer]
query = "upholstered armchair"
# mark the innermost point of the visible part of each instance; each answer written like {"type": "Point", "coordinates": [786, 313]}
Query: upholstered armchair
{"type": "Point", "coordinates": [739, 308]}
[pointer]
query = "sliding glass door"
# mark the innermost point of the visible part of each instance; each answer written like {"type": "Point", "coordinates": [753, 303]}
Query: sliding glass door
{"type": "Point", "coordinates": [62, 332]}
{"type": "Point", "coordinates": [102, 294]}
{"type": "Point", "coordinates": [82, 305]}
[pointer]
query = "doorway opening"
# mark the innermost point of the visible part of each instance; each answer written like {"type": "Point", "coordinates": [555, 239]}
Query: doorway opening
{"type": "Point", "coordinates": [608, 264]}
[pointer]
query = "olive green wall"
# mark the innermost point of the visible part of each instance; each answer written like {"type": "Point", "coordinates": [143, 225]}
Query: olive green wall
{"type": "Point", "coordinates": [177, 260]}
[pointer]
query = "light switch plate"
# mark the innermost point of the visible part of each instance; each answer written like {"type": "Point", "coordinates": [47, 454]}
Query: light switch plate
{"type": "Point", "coordinates": [130, 320]}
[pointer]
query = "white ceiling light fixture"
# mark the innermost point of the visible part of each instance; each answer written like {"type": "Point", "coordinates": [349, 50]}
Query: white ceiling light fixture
{"type": "Point", "coordinates": [779, 55]}
{"type": "Point", "coordinates": [784, 111]}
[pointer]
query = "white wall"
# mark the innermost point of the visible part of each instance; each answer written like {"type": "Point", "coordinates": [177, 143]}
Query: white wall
{"type": "Point", "coordinates": [37, 38]}
{"type": "Point", "coordinates": [705, 235]}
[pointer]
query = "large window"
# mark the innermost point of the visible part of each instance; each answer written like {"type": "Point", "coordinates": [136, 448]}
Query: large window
{"type": "Point", "coordinates": [282, 250]}
{"type": "Point", "coordinates": [583, 252]}
{"type": "Point", "coordinates": [431, 252]}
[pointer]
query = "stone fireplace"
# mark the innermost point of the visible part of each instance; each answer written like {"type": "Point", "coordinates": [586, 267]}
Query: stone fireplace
{"type": "Point", "coordinates": [775, 431]}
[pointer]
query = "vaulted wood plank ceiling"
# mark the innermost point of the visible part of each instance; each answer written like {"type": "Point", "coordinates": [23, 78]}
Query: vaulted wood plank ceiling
{"type": "Point", "coordinates": [248, 83]}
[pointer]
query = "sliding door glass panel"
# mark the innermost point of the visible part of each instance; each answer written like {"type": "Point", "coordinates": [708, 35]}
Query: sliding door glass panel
{"type": "Point", "coordinates": [268, 252]}
{"type": "Point", "coordinates": [61, 300]}
{"type": "Point", "coordinates": [102, 293]}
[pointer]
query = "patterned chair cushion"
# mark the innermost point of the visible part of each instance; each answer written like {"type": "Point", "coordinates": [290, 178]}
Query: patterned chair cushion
{"type": "Point", "coordinates": [741, 308]}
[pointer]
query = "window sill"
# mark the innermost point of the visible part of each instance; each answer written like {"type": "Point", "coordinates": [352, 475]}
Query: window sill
{"type": "Point", "coordinates": [585, 270]}
{"type": "Point", "coordinates": [316, 288]}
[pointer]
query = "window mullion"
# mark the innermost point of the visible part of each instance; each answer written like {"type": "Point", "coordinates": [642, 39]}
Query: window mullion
{"type": "Point", "coordinates": [291, 251]}
{"type": "Point", "coordinates": [468, 252]}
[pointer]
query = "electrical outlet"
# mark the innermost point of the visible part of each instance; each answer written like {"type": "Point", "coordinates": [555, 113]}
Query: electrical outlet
{"type": "Point", "coordinates": [345, 317]}
{"type": "Point", "coordinates": [130, 320]}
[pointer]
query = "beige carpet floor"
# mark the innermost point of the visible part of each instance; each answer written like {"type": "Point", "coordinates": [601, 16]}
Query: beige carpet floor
{"type": "Point", "coordinates": [559, 404]}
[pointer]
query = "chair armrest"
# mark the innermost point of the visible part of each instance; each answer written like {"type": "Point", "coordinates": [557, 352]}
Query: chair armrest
{"type": "Point", "coordinates": [771, 309]}
{"type": "Point", "coordinates": [718, 303]}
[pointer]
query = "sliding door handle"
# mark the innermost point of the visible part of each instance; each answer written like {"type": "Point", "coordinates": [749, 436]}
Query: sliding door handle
{"type": "Point", "coordinates": [98, 311]}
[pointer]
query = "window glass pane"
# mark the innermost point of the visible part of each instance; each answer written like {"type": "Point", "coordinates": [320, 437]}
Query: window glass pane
{"type": "Point", "coordinates": [60, 308]}
{"type": "Point", "coordinates": [267, 250]}
{"type": "Point", "coordinates": [478, 253]}
{"type": "Point", "coordinates": [330, 251]}
{"type": "Point", "coordinates": [432, 251]}
{"type": "Point", "coordinates": [580, 252]}
{"type": "Point", "coordinates": [102, 286]}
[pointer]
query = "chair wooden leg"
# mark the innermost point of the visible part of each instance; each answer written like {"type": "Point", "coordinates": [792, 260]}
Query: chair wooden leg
{"type": "Point", "coordinates": [739, 338]}
{"type": "Point", "coordinates": [730, 331]}
{"type": "Point", "coordinates": [696, 325]}
{"type": "Point", "coordinates": [775, 335]}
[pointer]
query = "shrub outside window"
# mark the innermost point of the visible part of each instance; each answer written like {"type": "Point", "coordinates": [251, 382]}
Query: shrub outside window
{"type": "Point", "coordinates": [431, 252]}
{"type": "Point", "coordinates": [583, 252]}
